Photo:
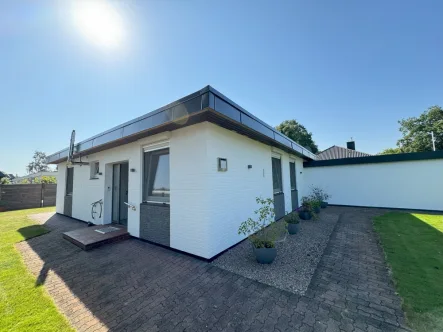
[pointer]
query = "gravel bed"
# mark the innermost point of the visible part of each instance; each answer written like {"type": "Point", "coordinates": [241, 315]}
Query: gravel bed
{"type": "Point", "coordinates": [297, 256]}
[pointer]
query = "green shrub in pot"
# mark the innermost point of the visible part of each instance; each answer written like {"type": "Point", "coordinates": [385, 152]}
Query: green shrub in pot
{"type": "Point", "coordinates": [292, 220]}
{"type": "Point", "coordinates": [321, 195]}
{"type": "Point", "coordinates": [316, 204]}
{"type": "Point", "coordinates": [305, 211]}
{"type": "Point", "coordinates": [262, 231]}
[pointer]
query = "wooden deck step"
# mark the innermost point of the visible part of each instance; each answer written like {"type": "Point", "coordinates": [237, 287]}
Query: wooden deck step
{"type": "Point", "coordinates": [88, 238]}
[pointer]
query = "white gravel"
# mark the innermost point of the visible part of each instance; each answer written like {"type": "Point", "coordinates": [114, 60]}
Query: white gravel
{"type": "Point", "coordinates": [297, 256]}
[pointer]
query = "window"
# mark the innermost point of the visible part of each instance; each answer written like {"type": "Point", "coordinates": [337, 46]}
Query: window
{"type": "Point", "coordinates": [156, 176]}
{"type": "Point", "coordinates": [276, 176]}
{"type": "Point", "coordinates": [222, 164]}
{"type": "Point", "coordinates": [69, 180]}
{"type": "Point", "coordinates": [95, 169]}
{"type": "Point", "coordinates": [292, 174]}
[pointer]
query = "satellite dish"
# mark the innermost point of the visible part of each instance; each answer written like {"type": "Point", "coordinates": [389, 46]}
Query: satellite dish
{"type": "Point", "coordinates": [71, 152]}
{"type": "Point", "coordinates": [71, 148]}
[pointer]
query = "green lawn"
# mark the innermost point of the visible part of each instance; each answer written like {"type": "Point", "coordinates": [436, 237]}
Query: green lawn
{"type": "Point", "coordinates": [23, 305]}
{"type": "Point", "coordinates": [413, 245]}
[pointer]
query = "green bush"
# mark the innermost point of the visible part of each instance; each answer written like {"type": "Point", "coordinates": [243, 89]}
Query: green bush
{"type": "Point", "coordinates": [320, 194]}
{"type": "Point", "coordinates": [292, 218]}
{"type": "Point", "coordinates": [262, 232]}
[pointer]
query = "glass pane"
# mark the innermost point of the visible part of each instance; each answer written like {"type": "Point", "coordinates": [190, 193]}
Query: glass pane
{"type": "Point", "coordinates": [292, 174]}
{"type": "Point", "coordinates": [156, 176]}
{"type": "Point", "coordinates": [276, 175]}
{"type": "Point", "coordinates": [69, 180]}
{"type": "Point", "coordinates": [160, 174]}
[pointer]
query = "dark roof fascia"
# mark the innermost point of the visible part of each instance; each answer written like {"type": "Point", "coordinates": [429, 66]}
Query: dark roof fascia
{"type": "Point", "coordinates": [88, 146]}
{"type": "Point", "coordinates": [388, 158]}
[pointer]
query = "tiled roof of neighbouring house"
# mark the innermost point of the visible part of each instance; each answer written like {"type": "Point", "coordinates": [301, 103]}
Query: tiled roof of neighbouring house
{"type": "Point", "coordinates": [337, 152]}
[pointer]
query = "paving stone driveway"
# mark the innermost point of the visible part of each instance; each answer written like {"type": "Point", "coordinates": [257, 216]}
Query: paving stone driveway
{"type": "Point", "coordinates": [134, 285]}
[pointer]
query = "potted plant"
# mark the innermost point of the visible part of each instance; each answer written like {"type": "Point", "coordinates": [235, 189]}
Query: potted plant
{"type": "Point", "coordinates": [316, 204]}
{"type": "Point", "coordinates": [292, 220]}
{"type": "Point", "coordinates": [261, 232]}
{"type": "Point", "coordinates": [321, 195]}
{"type": "Point", "coordinates": [305, 211]}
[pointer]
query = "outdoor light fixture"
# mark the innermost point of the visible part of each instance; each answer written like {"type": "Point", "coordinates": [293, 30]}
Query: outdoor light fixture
{"type": "Point", "coordinates": [132, 170]}
{"type": "Point", "coordinates": [222, 164]}
{"type": "Point", "coordinates": [249, 166]}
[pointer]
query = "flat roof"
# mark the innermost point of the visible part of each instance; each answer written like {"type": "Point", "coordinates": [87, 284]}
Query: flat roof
{"type": "Point", "coordinates": [205, 105]}
{"type": "Point", "coordinates": [386, 158]}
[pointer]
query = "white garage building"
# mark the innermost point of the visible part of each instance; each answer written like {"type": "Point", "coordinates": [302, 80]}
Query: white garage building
{"type": "Point", "coordinates": [183, 176]}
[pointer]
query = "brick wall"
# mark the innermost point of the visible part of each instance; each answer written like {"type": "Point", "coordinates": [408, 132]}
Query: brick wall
{"type": "Point", "coordinates": [155, 223]}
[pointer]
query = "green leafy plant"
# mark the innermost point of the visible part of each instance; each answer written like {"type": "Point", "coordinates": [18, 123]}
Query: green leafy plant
{"type": "Point", "coordinates": [320, 194]}
{"type": "Point", "coordinates": [315, 202]}
{"type": "Point", "coordinates": [5, 180]}
{"type": "Point", "coordinates": [261, 231]}
{"type": "Point", "coordinates": [308, 204]}
{"type": "Point", "coordinates": [292, 218]}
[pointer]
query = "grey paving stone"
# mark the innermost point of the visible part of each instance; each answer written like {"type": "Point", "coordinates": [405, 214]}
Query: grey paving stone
{"type": "Point", "coordinates": [134, 285]}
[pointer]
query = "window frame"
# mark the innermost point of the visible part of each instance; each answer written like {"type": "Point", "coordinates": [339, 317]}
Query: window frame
{"type": "Point", "coordinates": [94, 170]}
{"type": "Point", "coordinates": [69, 182]}
{"type": "Point", "coordinates": [148, 181]}
{"type": "Point", "coordinates": [295, 175]}
{"type": "Point", "coordinates": [275, 189]}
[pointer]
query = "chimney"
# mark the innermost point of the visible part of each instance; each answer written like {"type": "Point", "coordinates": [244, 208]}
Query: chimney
{"type": "Point", "coordinates": [350, 145]}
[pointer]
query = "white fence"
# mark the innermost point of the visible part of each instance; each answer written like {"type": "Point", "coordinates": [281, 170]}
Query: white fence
{"type": "Point", "coordinates": [402, 184]}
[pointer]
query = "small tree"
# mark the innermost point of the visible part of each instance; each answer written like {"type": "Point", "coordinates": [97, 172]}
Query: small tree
{"type": "Point", "coordinates": [260, 231]}
{"type": "Point", "coordinates": [5, 180]}
{"type": "Point", "coordinates": [39, 163]}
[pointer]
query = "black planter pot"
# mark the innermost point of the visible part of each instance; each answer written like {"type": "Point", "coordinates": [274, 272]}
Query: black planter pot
{"type": "Point", "coordinates": [292, 228]}
{"type": "Point", "coordinates": [305, 215]}
{"type": "Point", "coordinates": [317, 209]}
{"type": "Point", "coordinates": [324, 205]}
{"type": "Point", "coordinates": [265, 255]}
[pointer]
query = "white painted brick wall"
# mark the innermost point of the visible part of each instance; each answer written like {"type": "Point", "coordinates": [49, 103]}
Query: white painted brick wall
{"type": "Point", "coordinates": [407, 184]}
{"type": "Point", "coordinates": [207, 206]}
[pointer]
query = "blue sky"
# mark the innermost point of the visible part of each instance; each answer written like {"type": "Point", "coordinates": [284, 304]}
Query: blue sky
{"type": "Point", "coordinates": [341, 68]}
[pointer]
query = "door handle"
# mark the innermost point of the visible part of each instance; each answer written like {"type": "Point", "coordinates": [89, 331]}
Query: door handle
{"type": "Point", "coordinates": [130, 206]}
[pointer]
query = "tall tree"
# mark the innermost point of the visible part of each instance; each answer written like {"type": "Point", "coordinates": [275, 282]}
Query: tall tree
{"type": "Point", "coordinates": [298, 133]}
{"type": "Point", "coordinates": [38, 164]}
{"type": "Point", "coordinates": [416, 131]}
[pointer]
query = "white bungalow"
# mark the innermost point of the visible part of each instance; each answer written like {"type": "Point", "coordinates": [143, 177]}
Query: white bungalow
{"type": "Point", "coordinates": [186, 175]}
{"type": "Point", "coordinates": [183, 176]}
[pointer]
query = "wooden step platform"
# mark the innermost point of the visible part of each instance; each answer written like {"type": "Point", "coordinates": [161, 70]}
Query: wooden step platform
{"type": "Point", "coordinates": [88, 238]}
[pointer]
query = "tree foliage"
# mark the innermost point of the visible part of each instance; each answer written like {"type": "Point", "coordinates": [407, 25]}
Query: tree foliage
{"type": "Point", "coordinates": [5, 180]}
{"type": "Point", "coordinates": [46, 179]}
{"type": "Point", "coordinates": [38, 164]}
{"type": "Point", "coordinates": [298, 133]}
{"type": "Point", "coordinates": [24, 181]}
{"type": "Point", "coordinates": [391, 151]}
{"type": "Point", "coordinates": [416, 131]}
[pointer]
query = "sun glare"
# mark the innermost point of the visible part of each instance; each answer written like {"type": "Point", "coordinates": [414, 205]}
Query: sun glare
{"type": "Point", "coordinates": [99, 21]}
